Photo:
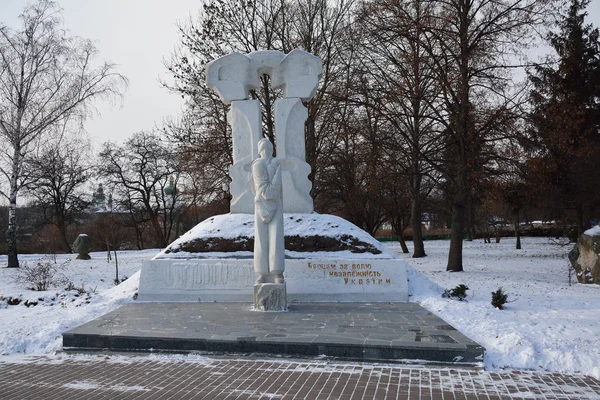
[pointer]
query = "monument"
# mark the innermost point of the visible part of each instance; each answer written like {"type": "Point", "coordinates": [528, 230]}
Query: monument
{"type": "Point", "coordinates": [274, 246]}
{"type": "Point", "coordinates": [297, 73]}
{"type": "Point", "coordinates": [269, 250]}
{"type": "Point", "coordinates": [272, 225]}
{"type": "Point", "coordinates": [82, 246]}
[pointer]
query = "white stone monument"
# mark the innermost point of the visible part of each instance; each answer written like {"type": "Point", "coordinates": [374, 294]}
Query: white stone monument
{"type": "Point", "coordinates": [269, 248]}
{"type": "Point", "coordinates": [181, 276]}
{"type": "Point", "coordinates": [298, 74]}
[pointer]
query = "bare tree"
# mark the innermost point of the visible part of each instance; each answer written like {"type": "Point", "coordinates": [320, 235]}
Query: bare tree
{"type": "Point", "coordinates": [473, 44]}
{"type": "Point", "coordinates": [140, 171]}
{"type": "Point", "coordinates": [58, 171]}
{"type": "Point", "coordinates": [112, 233]}
{"type": "Point", "coordinates": [46, 78]}
{"type": "Point", "coordinates": [405, 91]}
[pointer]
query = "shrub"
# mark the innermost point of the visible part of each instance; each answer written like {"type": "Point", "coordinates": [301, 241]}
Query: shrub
{"type": "Point", "coordinates": [10, 301]}
{"type": "Point", "coordinates": [499, 298]}
{"type": "Point", "coordinates": [459, 292]}
{"type": "Point", "coordinates": [41, 275]}
{"type": "Point", "coordinates": [81, 290]}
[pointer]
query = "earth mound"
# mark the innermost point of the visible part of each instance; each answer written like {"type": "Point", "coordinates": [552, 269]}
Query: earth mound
{"type": "Point", "coordinates": [306, 235]}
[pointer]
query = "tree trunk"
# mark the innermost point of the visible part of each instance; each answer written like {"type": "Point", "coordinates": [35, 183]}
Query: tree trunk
{"type": "Point", "coordinates": [415, 220]}
{"type": "Point", "coordinates": [116, 267]}
{"type": "Point", "coordinates": [579, 212]}
{"type": "Point", "coordinates": [456, 239]}
{"type": "Point", "coordinates": [64, 242]}
{"type": "Point", "coordinates": [62, 233]}
{"type": "Point", "coordinates": [470, 221]}
{"type": "Point", "coordinates": [268, 110]}
{"type": "Point", "coordinates": [403, 244]}
{"type": "Point", "coordinates": [398, 229]}
{"type": "Point", "coordinates": [462, 138]}
{"type": "Point", "coordinates": [11, 232]}
{"type": "Point", "coordinates": [160, 237]}
{"type": "Point", "coordinates": [517, 232]}
{"type": "Point", "coordinates": [457, 231]}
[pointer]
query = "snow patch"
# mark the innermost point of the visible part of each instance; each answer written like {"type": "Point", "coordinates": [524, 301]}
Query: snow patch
{"type": "Point", "coordinates": [595, 231]}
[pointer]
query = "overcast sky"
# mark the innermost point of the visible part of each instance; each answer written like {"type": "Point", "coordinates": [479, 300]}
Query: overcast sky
{"type": "Point", "coordinates": [136, 35]}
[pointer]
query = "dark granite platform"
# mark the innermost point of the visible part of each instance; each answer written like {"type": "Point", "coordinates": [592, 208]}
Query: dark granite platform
{"type": "Point", "coordinates": [391, 332]}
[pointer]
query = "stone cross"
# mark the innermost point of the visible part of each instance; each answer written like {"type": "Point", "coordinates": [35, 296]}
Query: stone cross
{"type": "Point", "coordinates": [298, 74]}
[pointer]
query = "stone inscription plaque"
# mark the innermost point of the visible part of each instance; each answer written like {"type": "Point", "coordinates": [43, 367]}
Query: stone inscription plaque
{"type": "Point", "coordinates": [353, 274]}
{"type": "Point", "coordinates": [308, 280]}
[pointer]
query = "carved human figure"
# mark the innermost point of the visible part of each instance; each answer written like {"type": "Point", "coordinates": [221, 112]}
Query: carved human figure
{"type": "Point", "coordinates": [269, 250]}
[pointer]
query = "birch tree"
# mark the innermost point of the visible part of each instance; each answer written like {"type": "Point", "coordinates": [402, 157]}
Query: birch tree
{"type": "Point", "coordinates": [46, 78]}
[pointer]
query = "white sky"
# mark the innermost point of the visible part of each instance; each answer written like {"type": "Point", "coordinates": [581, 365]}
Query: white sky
{"type": "Point", "coordinates": [137, 35]}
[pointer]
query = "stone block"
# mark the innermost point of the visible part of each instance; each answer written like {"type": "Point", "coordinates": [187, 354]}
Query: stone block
{"type": "Point", "coordinates": [307, 280]}
{"type": "Point", "coordinates": [585, 257]}
{"type": "Point", "coordinates": [270, 297]}
{"type": "Point", "coordinates": [82, 246]}
{"type": "Point", "coordinates": [265, 61]}
{"type": "Point", "coordinates": [231, 77]}
{"type": "Point", "coordinates": [299, 73]}
{"type": "Point", "coordinates": [244, 118]}
{"type": "Point", "coordinates": [290, 115]}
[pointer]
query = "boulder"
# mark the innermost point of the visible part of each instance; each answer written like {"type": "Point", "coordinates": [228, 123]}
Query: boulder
{"type": "Point", "coordinates": [585, 257]}
{"type": "Point", "coordinates": [82, 246]}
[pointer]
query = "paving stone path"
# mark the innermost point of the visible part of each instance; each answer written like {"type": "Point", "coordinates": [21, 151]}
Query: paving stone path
{"type": "Point", "coordinates": [161, 377]}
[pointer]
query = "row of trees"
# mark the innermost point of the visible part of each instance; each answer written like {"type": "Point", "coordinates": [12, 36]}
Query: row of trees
{"type": "Point", "coordinates": [418, 110]}
{"type": "Point", "coordinates": [418, 100]}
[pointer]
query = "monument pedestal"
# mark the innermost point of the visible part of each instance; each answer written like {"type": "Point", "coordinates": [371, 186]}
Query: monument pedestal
{"type": "Point", "coordinates": [307, 280]}
{"type": "Point", "coordinates": [270, 297]}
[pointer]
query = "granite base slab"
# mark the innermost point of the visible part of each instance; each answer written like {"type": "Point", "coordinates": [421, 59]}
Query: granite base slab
{"type": "Point", "coordinates": [353, 331]}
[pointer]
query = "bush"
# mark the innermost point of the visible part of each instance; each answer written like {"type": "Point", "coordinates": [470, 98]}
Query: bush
{"type": "Point", "coordinates": [499, 298]}
{"type": "Point", "coordinates": [41, 275]}
{"type": "Point", "coordinates": [80, 290]}
{"type": "Point", "coordinates": [459, 292]}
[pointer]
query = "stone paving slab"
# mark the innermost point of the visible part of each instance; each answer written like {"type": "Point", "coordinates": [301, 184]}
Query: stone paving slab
{"type": "Point", "coordinates": [355, 331]}
{"type": "Point", "coordinates": [159, 377]}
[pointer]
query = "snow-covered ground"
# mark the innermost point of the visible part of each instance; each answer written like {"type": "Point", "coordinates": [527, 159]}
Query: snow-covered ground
{"type": "Point", "coordinates": [548, 325]}
{"type": "Point", "coordinates": [38, 329]}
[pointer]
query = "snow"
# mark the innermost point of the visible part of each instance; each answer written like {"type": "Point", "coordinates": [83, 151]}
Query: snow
{"type": "Point", "coordinates": [548, 325]}
{"type": "Point", "coordinates": [595, 231]}
{"type": "Point", "coordinates": [231, 226]}
{"type": "Point", "coordinates": [38, 329]}
{"type": "Point", "coordinates": [91, 385]}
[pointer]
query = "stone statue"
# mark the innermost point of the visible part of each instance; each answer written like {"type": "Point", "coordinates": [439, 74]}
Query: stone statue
{"type": "Point", "coordinates": [269, 250]}
{"type": "Point", "coordinates": [82, 246]}
{"type": "Point", "coordinates": [297, 74]}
